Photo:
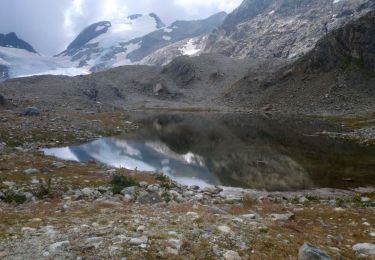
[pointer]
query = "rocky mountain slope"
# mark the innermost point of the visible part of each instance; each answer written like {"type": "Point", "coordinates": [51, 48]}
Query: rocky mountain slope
{"type": "Point", "coordinates": [285, 29]}
{"type": "Point", "coordinates": [336, 75]}
{"type": "Point", "coordinates": [11, 40]}
{"type": "Point", "coordinates": [110, 44]}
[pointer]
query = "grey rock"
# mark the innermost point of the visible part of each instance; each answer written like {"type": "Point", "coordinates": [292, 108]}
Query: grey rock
{"type": "Point", "coordinates": [31, 111]}
{"type": "Point", "coordinates": [31, 171]}
{"type": "Point", "coordinates": [365, 199]}
{"type": "Point", "coordinates": [137, 241]}
{"type": "Point", "coordinates": [58, 247]}
{"type": "Point", "coordinates": [175, 243]}
{"type": "Point", "coordinates": [90, 193]}
{"type": "Point", "coordinates": [310, 252]}
{"type": "Point", "coordinates": [149, 198]}
{"type": "Point", "coordinates": [365, 248]}
{"type": "Point", "coordinates": [212, 190]}
{"type": "Point", "coordinates": [250, 216]}
{"type": "Point", "coordinates": [153, 187]}
{"type": "Point", "coordinates": [29, 196]}
{"type": "Point", "coordinates": [231, 255]}
{"type": "Point", "coordinates": [284, 216]}
{"type": "Point", "coordinates": [58, 165]}
{"type": "Point", "coordinates": [132, 191]}
{"type": "Point", "coordinates": [216, 210]}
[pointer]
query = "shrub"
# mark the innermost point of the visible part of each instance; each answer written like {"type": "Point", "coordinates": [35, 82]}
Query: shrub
{"type": "Point", "coordinates": [44, 190]}
{"type": "Point", "coordinates": [119, 182]}
{"type": "Point", "coordinates": [17, 198]}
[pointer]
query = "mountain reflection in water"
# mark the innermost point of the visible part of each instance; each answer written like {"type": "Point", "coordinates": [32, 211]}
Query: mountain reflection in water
{"type": "Point", "coordinates": [233, 150]}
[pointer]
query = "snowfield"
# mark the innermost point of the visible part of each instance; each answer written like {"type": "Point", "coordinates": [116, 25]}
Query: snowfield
{"type": "Point", "coordinates": [22, 63]}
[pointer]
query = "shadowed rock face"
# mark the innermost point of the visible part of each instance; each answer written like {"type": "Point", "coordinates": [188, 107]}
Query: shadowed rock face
{"type": "Point", "coordinates": [285, 29]}
{"type": "Point", "coordinates": [353, 42]}
{"type": "Point", "coordinates": [87, 35]}
{"type": "Point", "coordinates": [11, 40]}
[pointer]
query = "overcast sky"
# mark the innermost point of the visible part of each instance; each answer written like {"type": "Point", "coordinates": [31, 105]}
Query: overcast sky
{"type": "Point", "coordinates": [50, 25]}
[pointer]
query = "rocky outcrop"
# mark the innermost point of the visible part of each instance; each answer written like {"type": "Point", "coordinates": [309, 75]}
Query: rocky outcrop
{"type": "Point", "coordinates": [11, 40]}
{"type": "Point", "coordinates": [89, 33]}
{"type": "Point", "coordinates": [354, 42]}
{"type": "Point", "coordinates": [285, 29]}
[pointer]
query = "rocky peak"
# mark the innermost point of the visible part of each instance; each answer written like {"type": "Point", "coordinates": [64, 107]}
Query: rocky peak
{"type": "Point", "coordinates": [285, 29]}
{"type": "Point", "coordinates": [89, 33]}
{"type": "Point", "coordinates": [11, 40]}
{"type": "Point", "coordinates": [353, 43]}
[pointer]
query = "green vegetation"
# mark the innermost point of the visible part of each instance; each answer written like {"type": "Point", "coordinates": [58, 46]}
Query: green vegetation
{"type": "Point", "coordinates": [44, 190]}
{"type": "Point", "coordinates": [119, 182]}
{"type": "Point", "coordinates": [13, 197]}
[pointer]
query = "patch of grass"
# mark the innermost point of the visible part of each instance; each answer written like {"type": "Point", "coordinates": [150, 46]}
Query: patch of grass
{"type": "Point", "coordinates": [44, 189]}
{"type": "Point", "coordinates": [12, 197]}
{"type": "Point", "coordinates": [165, 181]}
{"type": "Point", "coordinates": [119, 182]}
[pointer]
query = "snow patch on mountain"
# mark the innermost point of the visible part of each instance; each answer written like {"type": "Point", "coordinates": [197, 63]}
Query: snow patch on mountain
{"type": "Point", "coordinates": [22, 63]}
{"type": "Point", "coordinates": [190, 48]}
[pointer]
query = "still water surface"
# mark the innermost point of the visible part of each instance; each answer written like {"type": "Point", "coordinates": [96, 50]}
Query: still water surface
{"type": "Point", "coordinates": [274, 154]}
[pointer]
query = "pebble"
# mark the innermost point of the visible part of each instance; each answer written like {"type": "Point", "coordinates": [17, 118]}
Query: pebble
{"type": "Point", "coordinates": [31, 171]}
{"type": "Point", "coordinates": [284, 216]}
{"type": "Point", "coordinates": [310, 252]}
{"type": "Point", "coordinates": [365, 199]}
{"type": "Point", "coordinates": [175, 243]}
{"type": "Point", "coordinates": [224, 229]}
{"type": "Point", "coordinates": [58, 165]}
{"type": "Point", "coordinates": [58, 247]}
{"type": "Point", "coordinates": [153, 187]}
{"type": "Point", "coordinates": [231, 255]}
{"type": "Point", "coordinates": [249, 216]}
{"type": "Point", "coordinates": [137, 241]}
{"type": "Point", "coordinates": [365, 248]}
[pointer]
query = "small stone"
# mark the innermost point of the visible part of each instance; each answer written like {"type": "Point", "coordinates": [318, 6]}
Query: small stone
{"type": "Point", "coordinates": [137, 241]}
{"type": "Point", "coordinates": [31, 171]}
{"type": "Point", "coordinates": [212, 190]}
{"type": "Point", "coordinates": [282, 217]}
{"type": "Point", "coordinates": [58, 247]}
{"type": "Point", "coordinates": [365, 248]}
{"type": "Point", "coordinates": [141, 229]}
{"type": "Point", "coordinates": [31, 111]}
{"type": "Point", "coordinates": [153, 187]}
{"type": "Point", "coordinates": [372, 234]}
{"type": "Point", "coordinates": [365, 199]}
{"type": "Point", "coordinates": [175, 243]}
{"type": "Point", "coordinates": [34, 181]}
{"type": "Point", "coordinates": [149, 198]}
{"type": "Point", "coordinates": [224, 229]}
{"type": "Point", "coordinates": [249, 216]}
{"type": "Point", "coordinates": [231, 255]}
{"type": "Point", "coordinates": [129, 191]}
{"type": "Point", "coordinates": [216, 210]}
{"type": "Point", "coordinates": [143, 184]}
{"type": "Point", "coordinates": [58, 165]}
{"type": "Point", "coordinates": [310, 252]}
{"type": "Point", "coordinates": [171, 251]}
{"type": "Point", "coordinates": [192, 215]}
{"type": "Point", "coordinates": [27, 229]}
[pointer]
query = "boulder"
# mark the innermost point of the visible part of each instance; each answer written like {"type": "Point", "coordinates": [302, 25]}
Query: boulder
{"type": "Point", "coordinates": [311, 252]}
{"type": "Point", "coordinates": [149, 198]}
{"type": "Point", "coordinates": [31, 111]}
{"type": "Point", "coordinates": [365, 248]}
